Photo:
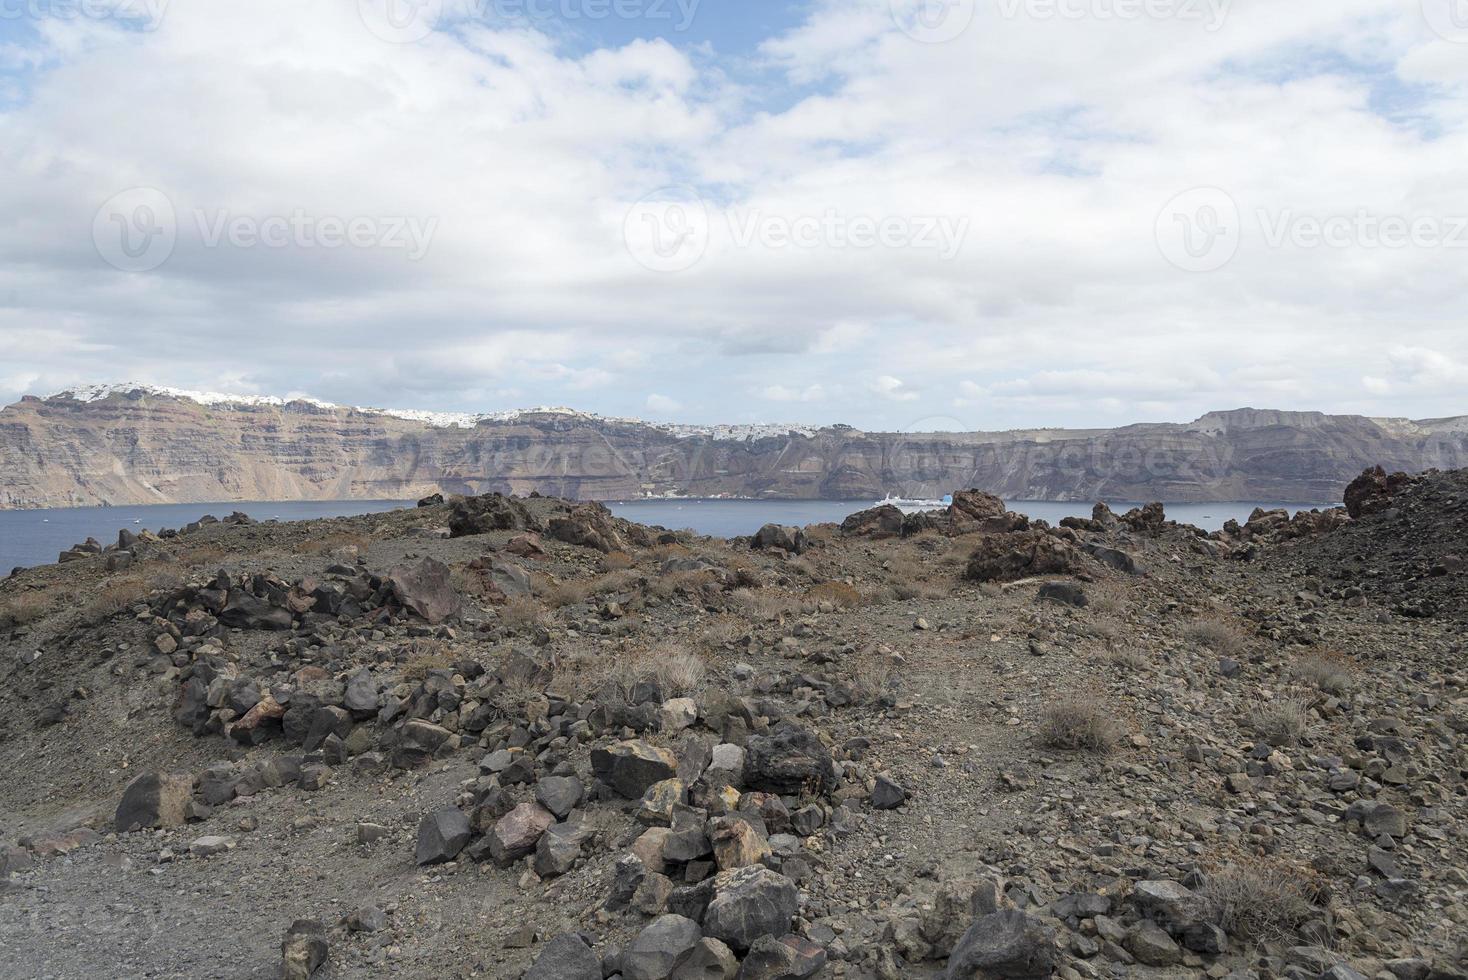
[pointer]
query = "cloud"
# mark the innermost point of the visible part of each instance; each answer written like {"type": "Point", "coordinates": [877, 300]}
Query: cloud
{"type": "Point", "coordinates": [782, 393]}
{"type": "Point", "coordinates": [1058, 140]}
{"type": "Point", "coordinates": [662, 405]}
{"type": "Point", "coordinates": [892, 389]}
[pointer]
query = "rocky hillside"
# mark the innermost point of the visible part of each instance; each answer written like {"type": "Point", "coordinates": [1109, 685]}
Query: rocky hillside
{"type": "Point", "coordinates": [524, 740]}
{"type": "Point", "coordinates": [133, 444]}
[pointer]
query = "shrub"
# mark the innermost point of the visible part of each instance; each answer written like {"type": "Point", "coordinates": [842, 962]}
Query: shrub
{"type": "Point", "coordinates": [1222, 636]}
{"type": "Point", "coordinates": [522, 612]}
{"type": "Point", "coordinates": [420, 657]}
{"type": "Point", "coordinates": [761, 605]}
{"type": "Point", "coordinates": [720, 632]}
{"type": "Point", "coordinates": [873, 675]}
{"type": "Point", "coordinates": [24, 608]}
{"type": "Point", "coordinates": [678, 671]}
{"type": "Point", "coordinates": [1128, 658]}
{"type": "Point", "coordinates": [115, 596]}
{"type": "Point", "coordinates": [558, 595]}
{"type": "Point", "coordinates": [1079, 723]}
{"type": "Point", "coordinates": [1260, 900]}
{"type": "Point", "coordinates": [1281, 722]}
{"type": "Point", "coordinates": [1328, 670]}
{"type": "Point", "coordinates": [838, 594]}
{"type": "Point", "coordinates": [616, 561]}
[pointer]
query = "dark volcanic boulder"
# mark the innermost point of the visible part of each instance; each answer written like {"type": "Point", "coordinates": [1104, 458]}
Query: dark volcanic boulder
{"type": "Point", "coordinates": [304, 950]}
{"type": "Point", "coordinates": [631, 767]}
{"type": "Point", "coordinates": [977, 512]}
{"type": "Point", "coordinates": [1373, 490]}
{"type": "Point", "coordinates": [884, 521]}
{"type": "Point", "coordinates": [659, 948]}
{"type": "Point", "coordinates": [589, 525]}
{"type": "Point", "coordinates": [566, 957]}
{"type": "Point", "coordinates": [442, 834]}
{"type": "Point", "coordinates": [792, 760]}
{"type": "Point", "coordinates": [491, 512]}
{"type": "Point", "coordinates": [424, 589]}
{"type": "Point", "coordinates": [749, 903]}
{"type": "Point", "coordinates": [154, 800]}
{"type": "Point", "coordinates": [249, 612]}
{"type": "Point", "coordinates": [1006, 944]}
{"type": "Point", "coordinates": [1007, 557]}
{"type": "Point", "coordinates": [1148, 518]}
{"type": "Point", "coordinates": [791, 539]}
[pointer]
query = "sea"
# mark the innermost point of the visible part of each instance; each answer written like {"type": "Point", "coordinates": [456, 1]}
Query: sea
{"type": "Point", "coordinates": [36, 537]}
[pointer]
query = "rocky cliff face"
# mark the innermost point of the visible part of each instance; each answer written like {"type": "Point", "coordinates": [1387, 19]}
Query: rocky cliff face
{"type": "Point", "coordinates": [140, 445]}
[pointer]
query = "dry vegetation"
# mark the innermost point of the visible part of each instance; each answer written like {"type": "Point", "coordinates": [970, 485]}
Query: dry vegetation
{"type": "Point", "coordinates": [1079, 723]}
{"type": "Point", "coordinates": [23, 609]}
{"type": "Point", "coordinates": [114, 596]}
{"type": "Point", "coordinates": [761, 605]}
{"type": "Point", "coordinates": [422, 656]}
{"type": "Point", "coordinates": [677, 671]}
{"type": "Point", "coordinates": [1128, 657]}
{"type": "Point", "coordinates": [1328, 670]}
{"type": "Point", "coordinates": [522, 613]}
{"type": "Point", "coordinates": [839, 594]}
{"type": "Point", "coordinates": [1281, 722]}
{"type": "Point", "coordinates": [1222, 636]}
{"type": "Point", "coordinates": [1260, 900]}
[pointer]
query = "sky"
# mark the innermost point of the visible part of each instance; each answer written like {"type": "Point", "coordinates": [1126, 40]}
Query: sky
{"type": "Point", "coordinates": [896, 214]}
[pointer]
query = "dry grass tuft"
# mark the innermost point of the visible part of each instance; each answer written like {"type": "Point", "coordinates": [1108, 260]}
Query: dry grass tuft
{"type": "Point", "coordinates": [838, 594]}
{"type": "Point", "coordinates": [1281, 722]}
{"type": "Point", "coordinates": [616, 561]}
{"type": "Point", "coordinates": [761, 605]}
{"type": "Point", "coordinates": [421, 656]}
{"type": "Point", "coordinates": [720, 632]}
{"type": "Point", "coordinates": [1224, 637]}
{"type": "Point", "coordinates": [115, 596]}
{"type": "Point", "coordinates": [677, 671]}
{"type": "Point", "coordinates": [1329, 670]}
{"type": "Point", "coordinates": [522, 613]}
{"type": "Point", "coordinates": [23, 609]}
{"type": "Point", "coordinates": [558, 595]}
{"type": "Point", "coordinates": [873, 675]}
{"type": "Point", "coordinates": [1079, 723]}
{"type": "Point", "coordinates": [1261, 900]}
{"type": "Point", "coordinates": [1128, 658]}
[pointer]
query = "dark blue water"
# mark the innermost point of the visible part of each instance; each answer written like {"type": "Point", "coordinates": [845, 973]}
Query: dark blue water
{"type": "Point", "coordinates": [36, 537]}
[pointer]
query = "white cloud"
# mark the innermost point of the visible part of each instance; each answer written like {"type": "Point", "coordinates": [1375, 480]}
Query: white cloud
{"type": "Point", "coordinates": [783, 393]}
{"type": "Point", "coordinates": [1059, 142]}
{"type": "Point", "coordinates": [893, 389]}
{"type": "Point", "coordinates": [663, 405]}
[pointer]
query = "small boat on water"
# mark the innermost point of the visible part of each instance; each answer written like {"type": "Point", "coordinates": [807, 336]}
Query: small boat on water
{"type": "Point", "coordinates": [912, 505]}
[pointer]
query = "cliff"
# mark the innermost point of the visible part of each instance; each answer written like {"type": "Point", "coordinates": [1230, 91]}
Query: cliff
{"type": "Point", "coordinates": [133, 444]}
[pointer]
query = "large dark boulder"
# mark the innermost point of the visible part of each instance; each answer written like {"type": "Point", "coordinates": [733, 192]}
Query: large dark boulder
{"type": "Point", "coordinates": [566, 957]}
{"type": "Point", "coordinates": [491, 512]}
{"type": "Point", "coordinates": [1373, 490]}
{"type": "Point", "coordinates": [788, 539]}
{"type": "Point", "coordinates": [749, 903]}
{"type": "Point", "coordinates": [154, 800]}
{"type": "Point", "coordinates": [589, 525]}
{"type": "Point", "coordinates": [882, 521]}
{"type": "Point", "coordinates": [425, 590]}
{"type": "Point", "coordinates": [442, 834]}
{"type": "Point", "coordinates": [1007, 944]}
{"type": "Point", "coordinates": [1023, 554]}
{"type": "Point", "coordinates": [790, 761]}
{"type": "Point", "coordinates": [248, 612]}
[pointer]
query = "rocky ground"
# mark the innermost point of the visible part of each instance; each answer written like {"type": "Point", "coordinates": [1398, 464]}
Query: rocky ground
{"type": "Point", "coordinates": [494, 737]}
